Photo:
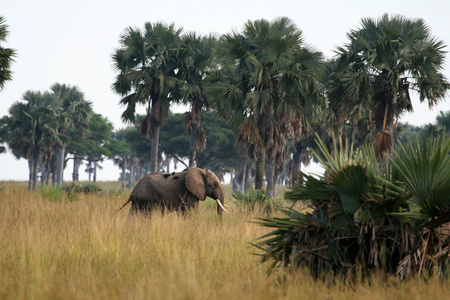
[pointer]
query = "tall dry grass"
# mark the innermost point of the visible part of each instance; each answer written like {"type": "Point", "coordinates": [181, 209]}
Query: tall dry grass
{"type": "Point", "coordinates": [84, 249]}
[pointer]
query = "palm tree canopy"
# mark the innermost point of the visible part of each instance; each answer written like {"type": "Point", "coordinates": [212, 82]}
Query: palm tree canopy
{"type": "Point", "coordinates": [147, 65]}
{"type": "Point", "coordinates": [34, 123]}
{"type": "Point", "coordinates": [266, 77]}
{"type": "Point", "coordinates": [76, 111]}
{"type": "Point", "coordinates": [6, 55]}
{"type": "Point", "coordinates": [196, 59]}
{"type": "Point", "coordinates": [383, 61]}
{"type": "Point", "coordinates": [266, 74]}
{"type": "Point", "coordinates": [146, 62]}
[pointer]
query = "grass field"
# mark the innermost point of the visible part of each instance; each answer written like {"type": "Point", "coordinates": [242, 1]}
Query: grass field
{"type": "Point", "coordinates": [84, 249]}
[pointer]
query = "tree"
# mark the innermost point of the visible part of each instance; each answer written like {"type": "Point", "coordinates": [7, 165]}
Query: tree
{"type": "Point", "coordinates": [196, 60]}
{"type": "Point", "coordinates": [76, 113]}
{"type": "Point", "coordinates": [97, 138]}
{"type": "Point", "coordinates": [374, 73]}
{"type": "Point", "coordinates": [6, 55]}
{"type": "Point", "coordinates": [261, 86]}
{"type": "Point", "coordinates": [118, 150]}
{"type": "Point", "coordinates": [33, 126]}
{"type": "Point", "coordinates": [174, 141]}
{"type": "Point", "coordinates": [147, 66]}
{"type": "Point", "coordinates": [138, 158]}
{"type": "Point", "coordinates": [219, 154]}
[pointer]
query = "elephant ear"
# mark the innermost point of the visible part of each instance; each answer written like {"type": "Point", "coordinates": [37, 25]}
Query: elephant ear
{"type": "Point", "coordinates": [195, 182]}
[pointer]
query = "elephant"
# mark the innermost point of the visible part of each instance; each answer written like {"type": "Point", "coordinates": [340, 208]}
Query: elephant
{"type": "Point", "coordinates": [175, 191]}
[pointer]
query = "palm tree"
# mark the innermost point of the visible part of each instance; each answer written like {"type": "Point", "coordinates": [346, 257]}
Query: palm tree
{"type": "Point", "coordinates": [147, 67]}
{"type": "Point", "coordinates": [76, 113]}
{"type": "Point", "coordinates": [34, 127]}
{"type": "Point", "coordinates": [363, 219]}
{"type": "Point", "coordinates": [264, 78]}
{"type": "Point", "coordinates": [384, 60]}
{"type": "Point", "coordinates": [197, 60]}
{"type": "Point", "coordinates": [6, 55]}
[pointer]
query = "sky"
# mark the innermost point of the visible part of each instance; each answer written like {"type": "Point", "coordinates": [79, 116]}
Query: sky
{"type": "Point", "coordinates": [71, 42]}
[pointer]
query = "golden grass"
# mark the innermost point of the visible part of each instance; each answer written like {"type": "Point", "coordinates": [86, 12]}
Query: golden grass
{"type": "Point", "coordinates": [84, 249]}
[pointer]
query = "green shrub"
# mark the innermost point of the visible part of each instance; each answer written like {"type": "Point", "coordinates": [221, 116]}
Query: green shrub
{"type": "Point", "coordinates": [115, 192]}
{"type": "Point", "coordinates": [87, 188]}
{"type": "Point", "coordinates": [364, 218]}
{"type": "Point", "coordinates": [260, 197]}
{"type": "Point", "coordinates": [54, 193]}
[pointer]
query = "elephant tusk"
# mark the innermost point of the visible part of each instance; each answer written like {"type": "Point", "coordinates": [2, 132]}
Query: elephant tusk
{"type": "Point", "coordinates": [226, 206]}
{"type": "Point", "coordinates": [221, 206]}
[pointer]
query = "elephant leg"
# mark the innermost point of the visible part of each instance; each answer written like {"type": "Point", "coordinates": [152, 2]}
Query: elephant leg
{"type": "Point", "coordinates": [143, 206]}
{"type": "Point", "coordinates": [193, 205]}
{"type": "Point", "coordinates": [188, 207]}
{"type": "Point", "coordinates": [134, 211]}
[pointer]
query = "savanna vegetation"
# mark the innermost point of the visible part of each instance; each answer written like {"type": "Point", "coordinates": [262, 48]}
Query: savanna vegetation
{"type": "Point", "coordinates": [262, 102]}
{"type": "Point", "coordinates": [81, 248]}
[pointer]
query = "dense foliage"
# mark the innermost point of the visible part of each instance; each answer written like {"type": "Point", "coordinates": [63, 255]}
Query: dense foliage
{"type": "Point", "coordinates": [267, 82]}
{"type": "Point", "coordinates": [370, 80]}
{"type": "Point", "coordinates": [255, 99]}
{"type": "Point", "coordinates": [7, 55]}
{"type": "Point", "coordinates": [146, 64]}
{"type": "Point", "coordinates": [366, 217]}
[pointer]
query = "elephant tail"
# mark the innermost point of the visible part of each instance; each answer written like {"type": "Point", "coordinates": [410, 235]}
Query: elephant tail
{"type": "Point", "coordinates": [129, 200]}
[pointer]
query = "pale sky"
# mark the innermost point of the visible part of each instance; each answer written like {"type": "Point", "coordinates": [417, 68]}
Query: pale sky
{"type": "Point", "coordinates": [71, 42]}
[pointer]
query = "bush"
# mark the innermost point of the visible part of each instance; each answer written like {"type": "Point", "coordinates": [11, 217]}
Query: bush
{"type": "Point", "coordinates": [54, 193]}
{"type": "Point", "coordinates": [248, 201]}
{"type": "Point", "coordinates": [70, 192]}
{"type": "Point", "coordinates": [88, 188]}
{"type": "Point", "coordinates": [365, 218]}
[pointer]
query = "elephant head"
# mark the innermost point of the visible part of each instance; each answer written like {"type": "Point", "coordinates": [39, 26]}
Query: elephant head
{"type": "Point", "coordinates": [204, 183]}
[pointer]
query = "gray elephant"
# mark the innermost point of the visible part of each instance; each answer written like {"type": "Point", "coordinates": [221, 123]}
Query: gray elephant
{"type": "Point", "coordinates": [175, 191]}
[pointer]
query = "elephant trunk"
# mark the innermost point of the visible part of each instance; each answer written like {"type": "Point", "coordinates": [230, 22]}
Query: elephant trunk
{"type": "Point", "coordinates": [220, 207]}
{"type": "Point", "coordinates": [220, 203]}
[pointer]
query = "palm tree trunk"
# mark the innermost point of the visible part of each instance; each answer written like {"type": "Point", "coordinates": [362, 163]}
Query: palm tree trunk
{"type": "Point", "coordinates": [60, 165]}
{"type": "Point", "coordinates": [234, 181]}
{"type": "Point", "coordinates": [192, 144]}
{"type": "Point", "coordinates": [123, 172]}
{"type": "Point", "coordinates": [296, 164]}
{"type": "Point", "coordinates": [168, 160]}
{"type": "Point", "coordinates": [76, 166]}
{"type": "Point", "coordinates": [43, 173]}
{"type": "Point", "coordinates": [90, 170]}
{"type": "Point", "coordinates": [137, 173]}
{"type": "Point", "coordinates": [270, 175]}
{"type": "Point", "coordinates": [30, 176]}
{"type": "Point", "coordinates": [130, 181]}
{"type": "Point", "coordinates": [47, 176]}
{"type": "Point", "coordinates": [243, 182]}
{"type": "Point", "coordinates": [274, 186]}
{"type": "Point", "coordinates": [260, 167]}
{"type": "Point", "coordinates": [36, 153]}
{"type": "Point", "coordinates": [53, 178]}
{"type": "Point", "coordinates": [95, 172]}
{"type": "Point", "coordinates": [155, 145]}
{"type": "Point", "coordinates": [246, 180]}
{"type": "Point", "coordinates": [261, 160]}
